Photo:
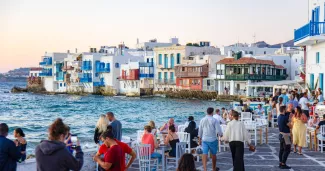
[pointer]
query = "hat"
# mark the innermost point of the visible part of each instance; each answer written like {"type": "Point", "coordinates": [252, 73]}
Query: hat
{"type": "Point", "coordinates": [190, 118]}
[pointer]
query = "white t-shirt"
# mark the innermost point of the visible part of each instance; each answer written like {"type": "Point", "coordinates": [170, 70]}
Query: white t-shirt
{"type": "Point", "coordinates": [303, 103]}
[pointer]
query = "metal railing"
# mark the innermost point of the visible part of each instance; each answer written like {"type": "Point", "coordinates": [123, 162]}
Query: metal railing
{"type": "Point", "coordinates": [166, 81]}
{"type": "Point", "coordinates": [104, 70]}
{"type": "Point", "coordinates": [86, 80]}
{"type": "Point", "coordinates": [145, 64]}
{"type": "Point", "coordinates": [146, 75]}
{"type": "Point", "coordinates": [310, 29]}
{"type": "Point", "coordinates": [256, 77]}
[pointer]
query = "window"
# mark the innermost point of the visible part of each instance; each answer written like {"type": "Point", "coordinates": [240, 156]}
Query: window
{"type": "Point", "coordinates": [60, 84]}
{"type": "Point", "coordinates": [181, 82]}
{"type": "Point", "coordinates": [245, 70]}
{"type": "Point", "coordinates": [208, 83]}
{"type": "Point", "coordinates": [251, 52]}
{"type": "Point", "coordinates": [264, 52]}
{"type": "Point", "coordinates": [284, 61]}
{"type": "Point", "coordinates": [317, 57]}
{"type": "Point", "coordinates": [64, 84]}
{"type": "Point", "coordinates": [160, 59]}
{"type": "Point", "coordinates": [296, 60]}
{"type": "Point", "coordinates": [96, 74]}
{"type": "Point", "coordinates": [147, 60]}
{"type": "Point", "coordinates": [178, 58]}
{"type": "Point", "coordinates": [284, 71]}
{"type": "Point", "coordinates": [159, 75]}
{"type": "Point", "coordinates": [117, 65]}
{"type": "Point", "coordinates": [136, 84]}
{"type": "Point", "coordinates": [296, 72]}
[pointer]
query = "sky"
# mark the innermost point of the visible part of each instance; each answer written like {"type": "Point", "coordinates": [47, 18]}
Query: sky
{"type": "Point", "coordinates": [29, 28]}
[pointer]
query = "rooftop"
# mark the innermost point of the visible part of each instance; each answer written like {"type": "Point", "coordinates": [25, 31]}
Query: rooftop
{"type": "Point", "coordinates": [246, 60]}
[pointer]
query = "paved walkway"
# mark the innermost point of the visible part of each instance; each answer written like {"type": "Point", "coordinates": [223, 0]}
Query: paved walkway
{"type": "Point", "coordinates": [266, 158]}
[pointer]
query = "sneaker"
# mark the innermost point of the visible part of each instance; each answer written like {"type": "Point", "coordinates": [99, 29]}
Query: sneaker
{"type": "Point", "coordinates": [285, 167]}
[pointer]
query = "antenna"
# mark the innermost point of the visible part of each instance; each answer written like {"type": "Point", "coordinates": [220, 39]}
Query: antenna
{"type": "Point", "coordinates": [254, 38]}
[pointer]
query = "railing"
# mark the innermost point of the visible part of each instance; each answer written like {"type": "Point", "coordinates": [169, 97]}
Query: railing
{"type": "Point", "coordinates": [256, 77]}
{"type": "Point", "coordinates": [45, 74]}
{"type": "Point", "coordinates": [191, 74]}
{"type": "Point", "coordinates": [46, 61]}
{"type": "Point", "coordinates": [104, 70]}
{"type": "Point", "coordinates": [86, 67]}
{"type": "Point", "coordinates": [310, 29]}
{"type": "Point", "coordinates": [99, 84]}
{"type": "Point", "coordinates": [86, 80]}
{"type": "Point", "coordinates": [145, 64]}
{"type": "Point", "coordinates": [146, 75]}
{"type": "Point", "coordinates": [166, 81]}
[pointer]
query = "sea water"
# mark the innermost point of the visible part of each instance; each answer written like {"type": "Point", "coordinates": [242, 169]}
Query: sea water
{"type": "Point", "coordinates": [35, 112]}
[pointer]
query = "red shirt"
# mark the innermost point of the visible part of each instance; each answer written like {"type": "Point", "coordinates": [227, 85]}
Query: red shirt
{"type": "Point", "coordinates": [115, 155]}
{"type": "Point", "coordinates": [125, 148]}
{"type": "Point", "coordinates": [148, 138]}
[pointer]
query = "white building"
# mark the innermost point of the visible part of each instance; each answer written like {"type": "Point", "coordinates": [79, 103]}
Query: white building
{"type": "Point", "coordinates": [129, 79]}
{"type": "Point", "coordinates": [34, 72]}
{"type": "Point", "coordinates": [151, 44]}
{"type": "Point", "coordinates": [311, 37]}
{"type": "Point", "coordinates": [247, 49]}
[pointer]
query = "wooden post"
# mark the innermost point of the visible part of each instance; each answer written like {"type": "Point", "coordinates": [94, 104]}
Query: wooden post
{"type": "Point", "coordinates": [315, 139]}
{"type": "Point", "coordinates": [266, 135]}
{"type": "Point", "coordinates": [261, 132]}
{"type": "Point", "coordinates": [310, 141]}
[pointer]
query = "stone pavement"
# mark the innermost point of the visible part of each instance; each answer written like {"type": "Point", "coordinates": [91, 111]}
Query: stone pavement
{"type": "Point", "coordinates": [265, 158]}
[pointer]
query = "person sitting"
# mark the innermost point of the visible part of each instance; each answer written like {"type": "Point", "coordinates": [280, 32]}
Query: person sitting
{"type": "Point", "coordinates": [114, 157]}
{"type": "Point", "coordinates": [21, 143]}
{"type": "Point", "coordinates": [9, 152]}
{"type": "Point", "coordinates": [247, 109]}
{"type": "Point", "coordinates": [125, 148]}
{"type": "Point", "coordinates": [168, 124]}
{"type": "Point", "coordinates": [321, 123]}
{"type": "Point", "coordinates": [259, 110]}
{"type": "Point", "coordinates": [172, 140]}
{"type": "Point", "coordinates": [101, 127]}
{"type": "Point", "coordinates": [148, 138]}
{"type": "Point", "coordinates": [50, 154]}
{"type": "Point", "coordinates": [313, 122]}
{"type": "Point", "coordinates": [153, 128]}
{"type": "Point", "coordinates": [186, 163]}
{"type": "Point", "coordinates": [191, 129]}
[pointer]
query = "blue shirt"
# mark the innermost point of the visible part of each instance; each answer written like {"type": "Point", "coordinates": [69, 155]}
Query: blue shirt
{"type": "Point", "coordinates": [117, 129]}
{"type": "Point", "coordinates": [9, 154]}
{"type": "Point", "coordinates": [209, 128]}
{"type": "Point", "coordinates": [285, 98]}
{"type": "Point", "coordinates": [293, 102]}
{"type": "Point", "coordinates": [283, 120]}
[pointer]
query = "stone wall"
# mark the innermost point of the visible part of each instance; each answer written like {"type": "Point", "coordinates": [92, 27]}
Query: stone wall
{"type": "Point", "coordinates": [192, 94]}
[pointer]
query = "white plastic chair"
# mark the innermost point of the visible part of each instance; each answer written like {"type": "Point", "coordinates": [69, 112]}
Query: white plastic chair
{"type": "Point", "coordinates": [222, 144]}
{"type": "Point", "coordinates": [181, 128]}
{"type": "Point", "coordinates": [321, 138]}
{"type": "Point", "coordinates": [180, 150]}
{"type": "Point", "coordinates": [238, 108]}
{"type": "Point", "coordinates": [139, 135]}
{"type": "Point", "coordinates": [246, 116]}
{"type": "Point", "coordinates": [186, 138]}
{"type": "Point", "coordinates": [144, 157]}
{"type": "Point", "coordinates": [251, 128]}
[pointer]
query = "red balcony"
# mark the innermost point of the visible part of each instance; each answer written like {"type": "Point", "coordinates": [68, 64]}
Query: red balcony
{"type": "Point", "coordinates": [133, 74]}
{"type": "Point", "coordinates": [192, 70]}
{"type": "Point", "coordinates": [189, 83]}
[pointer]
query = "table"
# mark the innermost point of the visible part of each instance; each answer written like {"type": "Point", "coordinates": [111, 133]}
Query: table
{"type": "Point", "coordinates": [163, 148]}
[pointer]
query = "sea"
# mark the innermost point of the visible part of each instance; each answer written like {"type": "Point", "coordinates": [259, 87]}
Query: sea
{"type": "Point", "coordinates": [35, 112]}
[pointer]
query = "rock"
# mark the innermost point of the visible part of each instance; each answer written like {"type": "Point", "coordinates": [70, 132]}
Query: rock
{"type": "Point", "coordinates": [18, 90]}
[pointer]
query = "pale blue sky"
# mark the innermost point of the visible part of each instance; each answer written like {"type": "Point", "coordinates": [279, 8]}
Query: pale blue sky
{"type": "Point", "coordinates": [28, 28]}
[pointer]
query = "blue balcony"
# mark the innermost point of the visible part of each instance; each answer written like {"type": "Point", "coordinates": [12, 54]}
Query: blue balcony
{"type": "Point", "coordinates": [46, 61]}
{"type": "Point", "coordinates": [99, 84]}
{"type": "Point", "coordinates": [45, 73]}
{"type": "Point", "coordinates": [59, 76]}
{"type": "Point", "coordinates": [104, 70]}
{"type": "Point", "coordinates": [86, 80]}
{"type": "Point", "coordinates": [145, 64]}
{"type": "Point", "coordinates": [146, 75]}
{"type": "Point", "coordinates": [86, 67]}
{"type": "Point", "coordinates": [310, 30]}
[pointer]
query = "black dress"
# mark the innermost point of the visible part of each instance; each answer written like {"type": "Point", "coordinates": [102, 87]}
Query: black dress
{"type": "Point", "coordinates": [172, 143]}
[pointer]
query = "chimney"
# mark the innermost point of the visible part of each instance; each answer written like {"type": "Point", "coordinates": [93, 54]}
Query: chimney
{"type": "Point", "coordinates": [76, 50]}
{"type": "Point", "coordinates": [68, 51]}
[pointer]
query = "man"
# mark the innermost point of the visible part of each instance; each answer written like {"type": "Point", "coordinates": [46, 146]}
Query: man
{"type": "Point", "coordinates": [165, 127]}
{"type": "Point", "coordinates": [9, 153]}
{"type": "Point", "coordinates": [208, 130]}
{"type": "Point", "coordinates": [114, 156]}
{"type": "Point", "coordinates": [284, 137]}
{"type": "Point", "coordinates": [125, 148]}
{"type": "Point", "coordinates": [116, 125]}
{"type": "Point", "coordinates": [218, 117]}
{"type": "Point", "coordinates": [284, 96]}
{"type": "Point", "coordinates": [293, 101]}
{"type": "Point", "coordinates": [304, 104]}
{"type": "Point", "coordinates": [259, 110]}
{"type": "Point", "coordinates": [275, 98]}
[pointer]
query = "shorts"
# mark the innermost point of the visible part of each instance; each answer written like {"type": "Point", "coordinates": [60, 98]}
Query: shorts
{"type": "Point", "coordinates": [212, 146]}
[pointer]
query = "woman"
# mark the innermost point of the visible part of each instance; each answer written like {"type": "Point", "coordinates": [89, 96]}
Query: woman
{"type": "Point", "coordinates": [273, 113]}
{"type": "Point", "coordinates": [20, 142]}
{"type": "Point", "coordinates": [191, 129]}
{"type": "Point", "coordinates": [153, 128]}
{"type": "Point", "coordinates": [278, 106]}
{"type": "Point", "coordinates": [148, 138]}
{"type": "Point", "coordinates": [52, 154]}
{"type": "Point", "coordinates": [320, 96]}
{"type": "Point", "coordinates": [101, 127]}
{"type": "Point", "coordinates": [186, 163]}
{"type": "Point", "coordinates": [172, 140]}
{"type": "Point", "coordinates": [236, 134]}
{"type": "Point", "coordinates": [299, 130]}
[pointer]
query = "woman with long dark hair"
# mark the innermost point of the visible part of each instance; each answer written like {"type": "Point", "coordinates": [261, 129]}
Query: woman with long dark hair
{"type": "Point", "coordinates": [20, 142]}
{"type": "Point", "coordinates": [186, 163]}
{"type": "Point", "coordinates": [299, 130]}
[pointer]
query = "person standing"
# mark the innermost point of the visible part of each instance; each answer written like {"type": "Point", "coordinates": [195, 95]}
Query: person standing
{"type": "Point", "coordinates": [236, 134]}
{"type": "Point", "coordinates": [208, 130]}
{"type": "Point", "coordinates": [21, 143]}
{"type": "Point", "coordinates": [218, 117]}
{"type": "Point", "coordinates": [284, 138]}
{"type": "Point", "coordinates": [293, 101]}
{"type": "Point", "coordinates": [284, 97]}
{"type": "Point", "coordinates": [275, 98]}
{"type": "Point", "coordinates": [116, 125]}
{"type": "Point", "coordinates": [101, 127]}
{"type": "Point", "coordinates": [299, 130]}
{"type": "Point", "coordinates": [52, 155]}
{"type": "Point", "coordinates": [9, 153]}
{"type": "Point", "coordinates": [304, 104]}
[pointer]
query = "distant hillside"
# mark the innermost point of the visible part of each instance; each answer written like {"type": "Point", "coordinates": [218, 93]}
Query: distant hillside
{"type": "Point", "coordinates": [19, 72]}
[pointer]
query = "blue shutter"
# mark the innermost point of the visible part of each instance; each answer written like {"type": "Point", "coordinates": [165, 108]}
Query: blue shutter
{"type": "Point", "coordinates": [178, 58]}
{"type": "Point", "coordinates": [160, 59]}
{"type": "Point", "coordinates": [311, 81]}
{"type": "Point", "coordinates": [159, 75]}
{"type": "Point", "coordinates": [321, 81]}
{"type": "Point", "coordinates": [172, 76]}
{"type": "Point", "coordinates": [172, 61]}
{"type": "Point", "coordinates": [166, 61]}
{"type": "Point", "coordinates": [97, 66]}
{"type": "Point", "coordinates": [317, 57]}
{"type": "Point", "coordinates": [165, 75]}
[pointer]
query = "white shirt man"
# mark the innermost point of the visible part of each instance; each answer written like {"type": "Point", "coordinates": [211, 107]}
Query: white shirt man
{"type": "Point", "coordinates": [304, 103]}
{"type": "Point", "coordinates": [218, 117]}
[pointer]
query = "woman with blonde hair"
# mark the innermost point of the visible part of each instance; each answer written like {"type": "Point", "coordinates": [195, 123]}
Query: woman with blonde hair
{"type": "Point", "coordinates": [101, 127]}
{"type": "Point", "coordinates": [153, 127]}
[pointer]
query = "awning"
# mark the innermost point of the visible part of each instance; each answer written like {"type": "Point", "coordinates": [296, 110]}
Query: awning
{"type": "Point", "coordinates": [272, 83]}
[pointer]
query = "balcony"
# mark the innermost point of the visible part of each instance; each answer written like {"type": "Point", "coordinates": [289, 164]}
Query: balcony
{"type": "Point", "coordinates": [132, 74]}
{"type": "Point", "coordinates": [309, 34]}
{"type": "Point", "coordinates": [86, 80]}
{"type": "Point", "coordinates": [145, 64]}
{"type": "Point", "coordinates": [191, 74]}
{"type": "Point", "coordinates": [166, 81]}
{"type": "Point", "coordinates": [86, 68]}
{"type": "Point", "coordinates": [245, 77]}
{"type": "Point", "coordinates": [59, 76]}
{"type": "Point", "coordinates": [99, 84]}
{"type": "Point", "coordinates": [45, 74]}
{"type": "Point", "coordinates": [46, 61]}
{"type": "Point", "coordinates": [146, 75]}
{"type": "Point", "coordinates": [107, 70]}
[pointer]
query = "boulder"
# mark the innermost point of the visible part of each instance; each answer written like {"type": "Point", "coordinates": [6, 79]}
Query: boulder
{"type": "Point", "coordinates": [18, 90]}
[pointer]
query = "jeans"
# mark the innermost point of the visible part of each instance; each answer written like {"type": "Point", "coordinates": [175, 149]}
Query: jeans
{"type": "Point", "coordinates": [156, 156]}
{"type": "Point", "coordinates": [284, 151]}
{"type": "Point", "coordinates": [237, 153]}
